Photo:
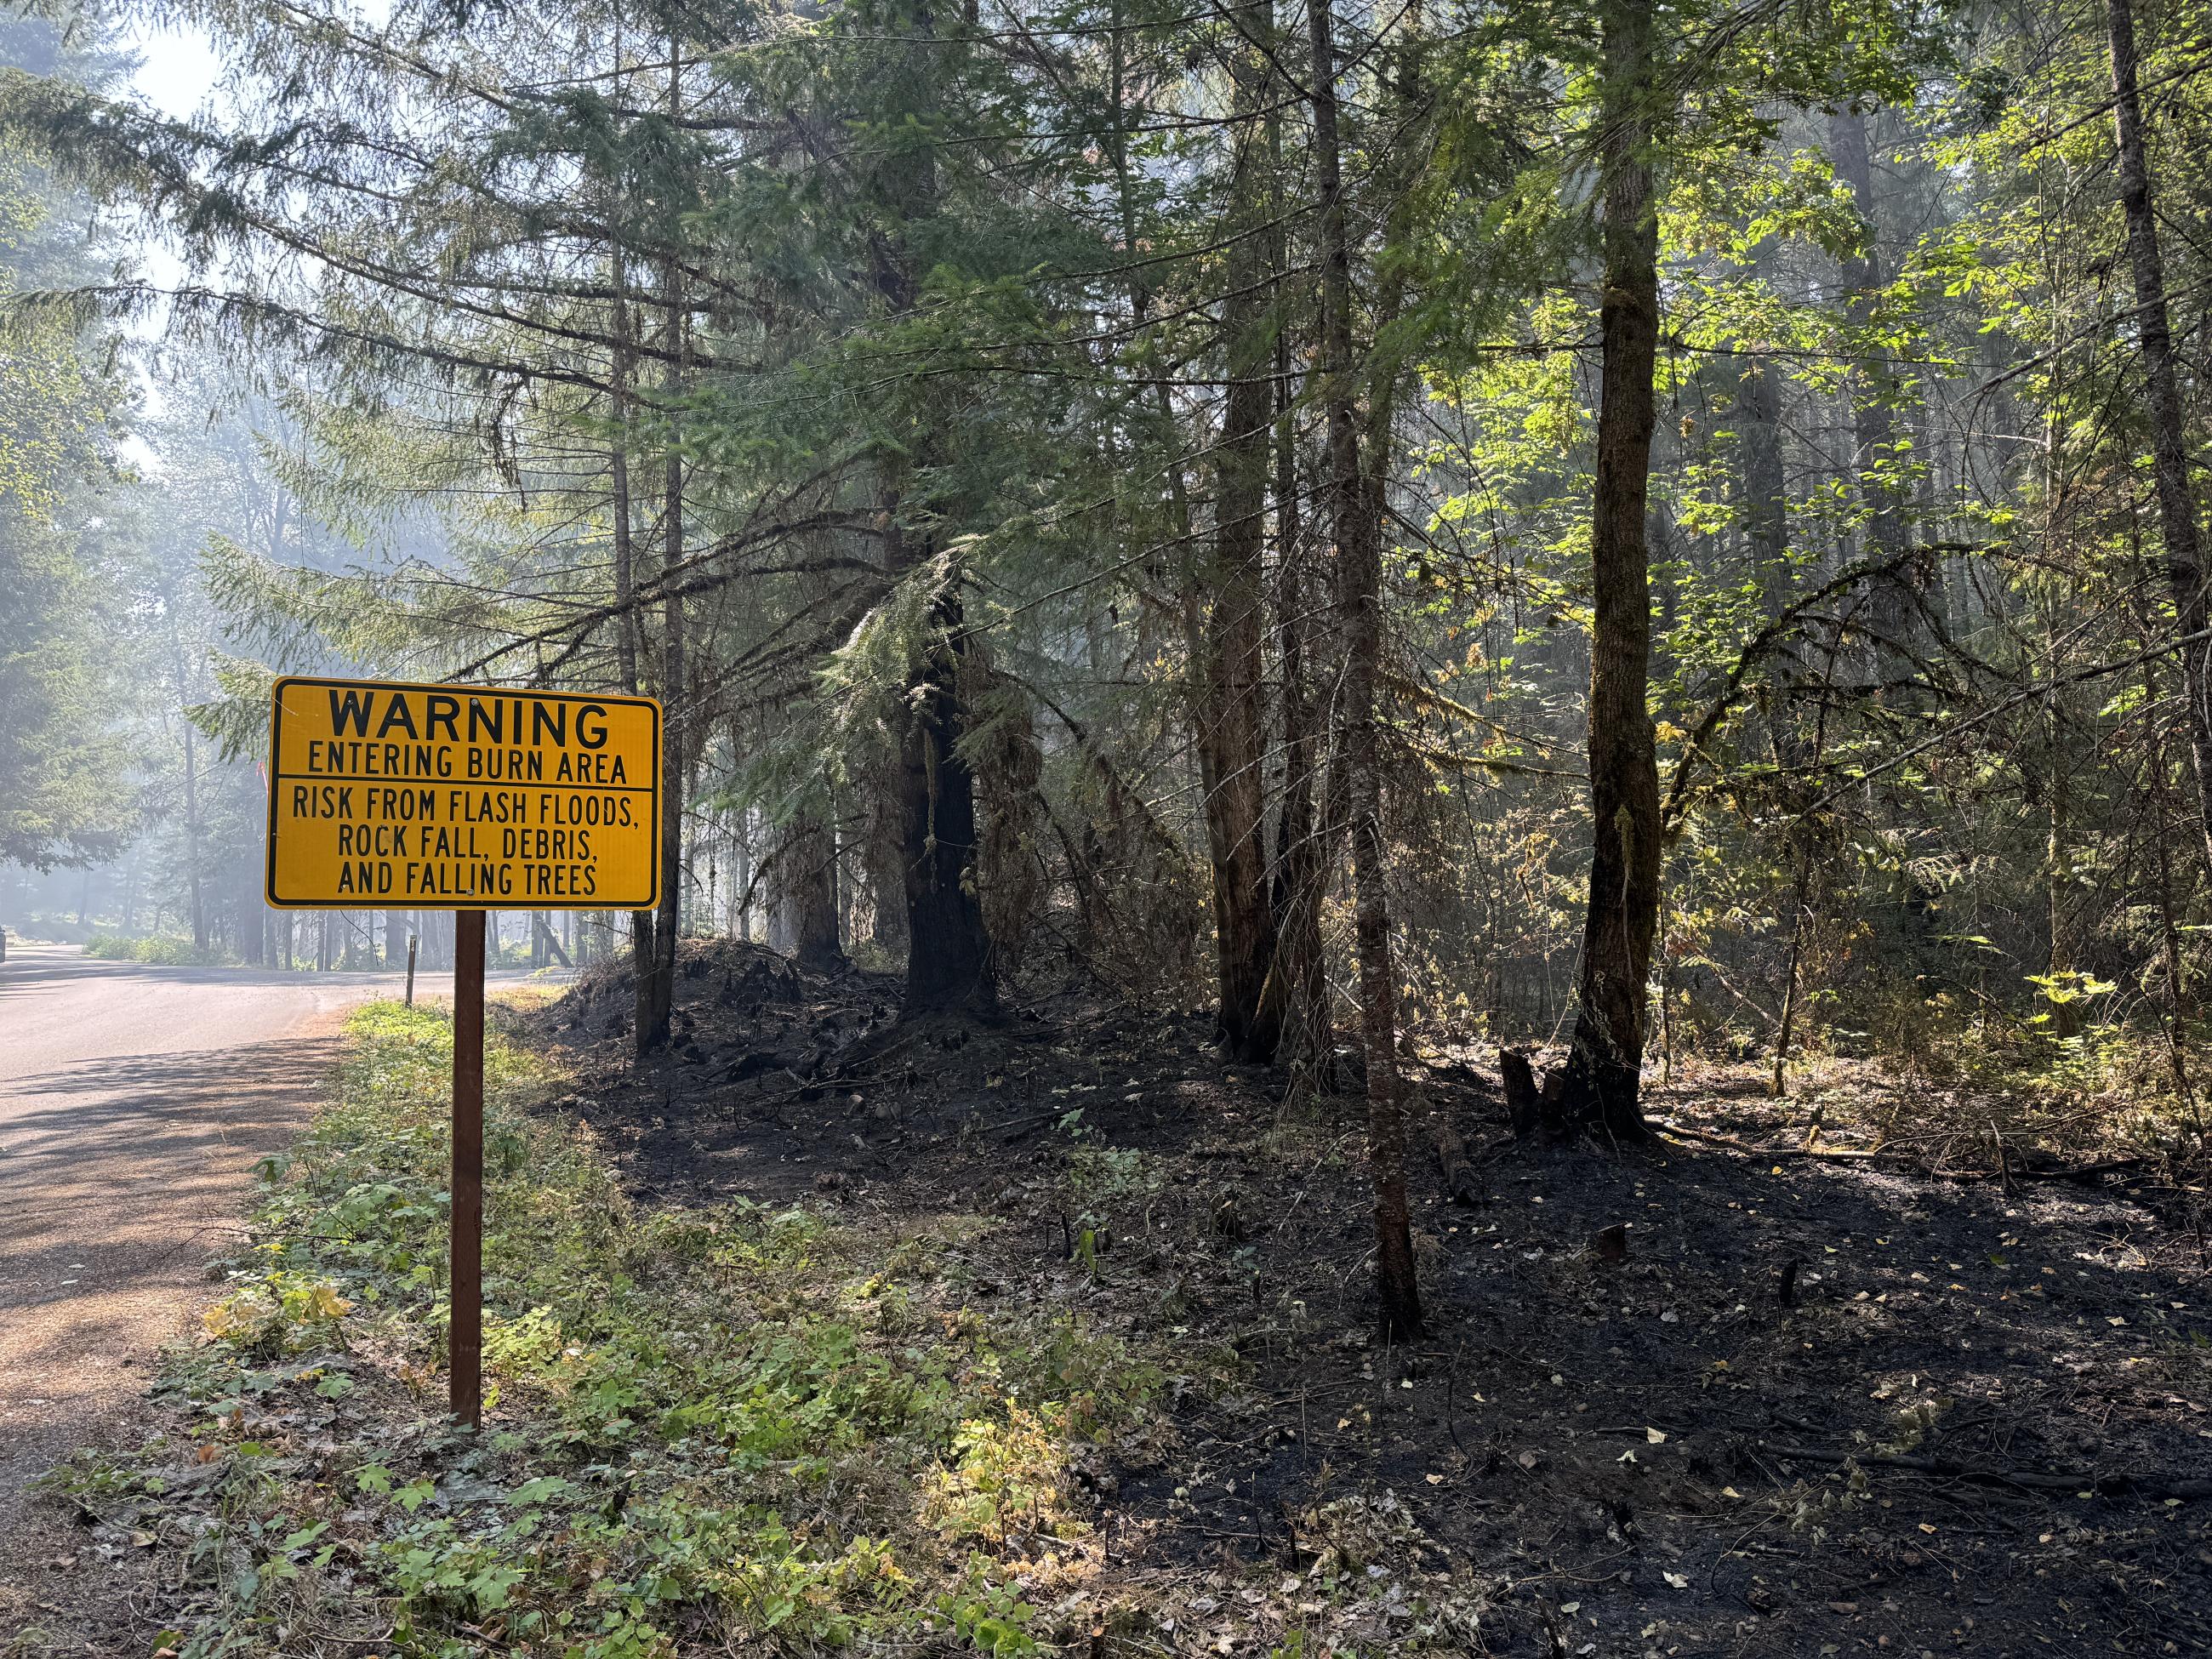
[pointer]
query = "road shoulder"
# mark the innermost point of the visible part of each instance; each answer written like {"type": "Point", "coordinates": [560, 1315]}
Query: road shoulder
{"type": "Point", "coordinates": [140, 1170]}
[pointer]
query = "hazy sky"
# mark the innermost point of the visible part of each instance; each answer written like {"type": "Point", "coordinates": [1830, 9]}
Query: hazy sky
{"type": "Point", "coordinates": [179, 70]}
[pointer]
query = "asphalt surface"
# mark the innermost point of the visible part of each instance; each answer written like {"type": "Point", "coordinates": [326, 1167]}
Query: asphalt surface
{"type": "Point", "coordinates": [134, 1103]}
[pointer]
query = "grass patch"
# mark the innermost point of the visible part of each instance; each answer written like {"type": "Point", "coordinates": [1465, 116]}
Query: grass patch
{"type": "Point", "coordinates": [742, 1428]}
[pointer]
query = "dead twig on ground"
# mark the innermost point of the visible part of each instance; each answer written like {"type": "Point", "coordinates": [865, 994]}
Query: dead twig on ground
{"type": "Point", "coordinates": [2114, 1483]}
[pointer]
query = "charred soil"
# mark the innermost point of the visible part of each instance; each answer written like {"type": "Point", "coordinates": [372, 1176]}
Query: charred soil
{"type": "Point", "coordinates": [1790, 1405]}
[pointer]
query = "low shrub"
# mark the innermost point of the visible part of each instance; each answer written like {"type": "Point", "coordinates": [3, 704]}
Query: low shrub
{"type": "Point", "coordinates": [161, 951]}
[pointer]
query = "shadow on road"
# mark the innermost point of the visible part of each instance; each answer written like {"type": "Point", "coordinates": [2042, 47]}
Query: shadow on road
{"type": "Point", "coordinates": [134, 1137]}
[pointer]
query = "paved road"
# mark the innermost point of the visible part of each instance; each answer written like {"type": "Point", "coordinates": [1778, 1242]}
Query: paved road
{"type": "Point", "coordinates": [134, 1102]}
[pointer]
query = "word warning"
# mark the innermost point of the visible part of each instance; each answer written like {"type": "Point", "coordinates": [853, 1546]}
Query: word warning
{"type": "Point", "coordinates": [385, 796]}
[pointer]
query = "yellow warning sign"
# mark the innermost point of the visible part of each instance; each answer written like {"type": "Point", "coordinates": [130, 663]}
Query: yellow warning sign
{"type": "Point", "coordinates": [385, 796]}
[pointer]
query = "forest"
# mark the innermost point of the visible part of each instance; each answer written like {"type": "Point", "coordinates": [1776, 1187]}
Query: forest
{"type": "Point", "coordinates": [1345, 684]}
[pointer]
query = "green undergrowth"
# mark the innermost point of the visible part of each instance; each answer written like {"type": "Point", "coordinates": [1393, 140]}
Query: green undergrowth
{"type": "Point", "coordinates": [161, 951]}
{"type": "Point", "coordinates": [2077, 1068]}
{"type": "Point", "coordinates": [741, 1428]}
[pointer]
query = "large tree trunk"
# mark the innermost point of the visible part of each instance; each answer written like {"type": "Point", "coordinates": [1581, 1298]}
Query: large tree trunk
{"type": "Point", "coordinates": [628, 652]}
{"type": "Point", "coordinates": [1297, 984]}
{"type": "Point", "coordinates": [948, 953]}
{"type": "Point", "coordinates": [652, 1030]}
{"type": "Point", "coordinates": [1353, 499]}
{"type": "Point", "coordinates": [545, 942]}
{"type": "Point", "coordinates": [806, 894]}
{"type": "Point", "coordinates": [741, 882]}
{"type": "Point", "coordinates": [1766, 482]}
{"type": "Point", "coordinates": [1605, 1066]}
{"type": "Point", "coordinates": [2176, 500]}
{"type": "Point", "coordinates": [948, 962]}
{"type": "Point", "coordinates": [1232, 721]}
{"type": "Point", "coordinates": [252, 920]}
{"type": "Point", "coordinates": [1766, 540]}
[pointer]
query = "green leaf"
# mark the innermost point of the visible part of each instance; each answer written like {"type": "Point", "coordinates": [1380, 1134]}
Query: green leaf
{"type": "Point", "coordinates": [414, 1495]}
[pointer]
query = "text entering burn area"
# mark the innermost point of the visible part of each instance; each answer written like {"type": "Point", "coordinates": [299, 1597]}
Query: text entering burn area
{"type": "Point", "coordinates": [383, 795]}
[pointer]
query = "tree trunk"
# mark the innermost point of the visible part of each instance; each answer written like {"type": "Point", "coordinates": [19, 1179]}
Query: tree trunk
{"type": "Point", "coordinates": [2177, 503]}
{"type": "Point", "coordinates": [886, 863]}
{"type": "Point", "coordinates": [782, 912]}
{"type": "Point", "coordinates": [948, 953]}
{"type": "Point", "coordinates": [741, 882]}
{"type": "Point", "coordinates": [1357, 532]}
{"type": "Point", "coordinates": [652, 1030]}
{"type": "Point", "coordinates": [806, 895]}
{"type": "Point", "coordinates": [1766, 527]}
{"type": "Point", "coordinates": [1604, 1065]}
{"type": "Point", "coordinates": [546, 944]}
{"type": "Point", "coordinates": [657, 1007]}
{"type": "Point", "coordinates": [1893, 606]}
{"type": "Point", "coordinates": [1785, 1028]}
{"type": "Point", "coordinates": [628, 652]}
{"type": "Point", "coordinates": [192, 841]}
{"type": "Point", "coordinates": [1230, 719]}
{"type": "Point", "coordinates": [1297, 985]}
{"type": "Point", "coordinates": [1766, 482]}
{"type": "Point", "coordinates": [252, 920]}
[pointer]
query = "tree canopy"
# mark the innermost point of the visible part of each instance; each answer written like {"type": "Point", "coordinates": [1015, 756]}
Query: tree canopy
{"type": "Point", "coordinates": [1638, 528]}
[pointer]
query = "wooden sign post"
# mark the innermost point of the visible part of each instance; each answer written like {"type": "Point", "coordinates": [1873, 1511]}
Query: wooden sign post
{"type": "Point", "coordinates": [388, 796]}
{"type": "Point", "coordinates": [464, 1339]}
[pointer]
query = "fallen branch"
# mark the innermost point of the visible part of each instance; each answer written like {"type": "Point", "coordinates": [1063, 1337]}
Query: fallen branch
{"type": "Point", "coordinates": [2116, 1483]}
{"type": "Point", "coordinates": [1861, 1155]}
{"type": "Point", "coordinates": [843, 1071]}
{"type": "Point", "coordinates": [2010, 1171]}
{"type": "Point", "coordinates": [1014, 1128]}
{"type": "Point", "coordinates": [1833, 1154]}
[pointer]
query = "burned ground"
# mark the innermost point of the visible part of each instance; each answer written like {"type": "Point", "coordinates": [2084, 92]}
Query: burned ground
{"type": "Point", "coordinates": [1977, 1423]}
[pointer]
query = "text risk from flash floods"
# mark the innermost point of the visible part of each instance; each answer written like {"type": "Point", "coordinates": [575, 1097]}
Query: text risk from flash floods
{"type": "Point", "coordinates": [385, 795]}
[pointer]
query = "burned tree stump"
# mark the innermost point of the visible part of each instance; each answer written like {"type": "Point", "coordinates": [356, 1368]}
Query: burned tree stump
{"type": "Point", "coordinates": [1462, 1180]}
{"type": "Point", "coordinates": [1524, 1104]}
{"type": "Point", "coordinates": [1785, 1282]}
{"type": "Point", "coordinates": [1552, 1110]}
